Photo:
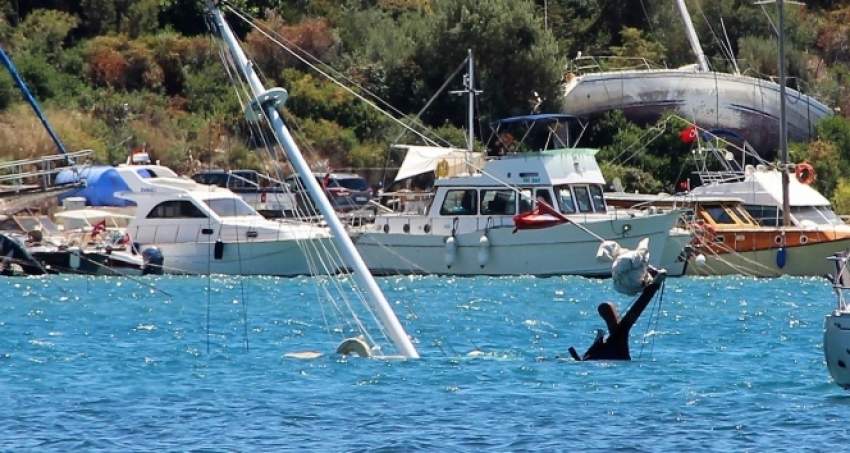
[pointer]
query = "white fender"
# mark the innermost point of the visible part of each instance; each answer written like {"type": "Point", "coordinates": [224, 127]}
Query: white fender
{"type": "Point", "coordinates": [483, 250]}
{"type": "Point", "coordinates": [451, 251]}
{"type": "Point", "coordinates": [74, 258]}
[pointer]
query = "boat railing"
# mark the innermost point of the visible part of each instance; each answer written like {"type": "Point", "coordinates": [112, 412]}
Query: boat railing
{"type": "Point", "coordinates": [591, 65]}
{"type": "Point", "coordinates": [841, 279]}
{"type": "Point", "coordinates": [34, 174]}
{"type": "Point", "coordinates": [719, 177]}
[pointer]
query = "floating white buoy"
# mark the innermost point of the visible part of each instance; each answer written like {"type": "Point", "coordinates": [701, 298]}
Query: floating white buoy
{"type": "Point", "coordinates": [483, 250]}
{"type": "Point", "coordinates": [700, 260]}
{"type": "Point", "coordinates": [451, 251]}
{"type": "Point", "coordinates": [355, 345]}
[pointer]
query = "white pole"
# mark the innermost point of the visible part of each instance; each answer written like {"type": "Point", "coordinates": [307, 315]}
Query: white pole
{"type": "Point", "coordinates": [692, 35]}
{"type": "Point", "coordinates": [353, 259]}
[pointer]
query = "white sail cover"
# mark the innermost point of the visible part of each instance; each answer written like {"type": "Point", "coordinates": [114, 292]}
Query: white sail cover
{"type": "Point", "coordinates": [424, 159]}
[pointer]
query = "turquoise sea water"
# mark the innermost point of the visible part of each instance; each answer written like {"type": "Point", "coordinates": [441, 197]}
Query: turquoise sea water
{"type": "Point", "coordinates": [106, 364]}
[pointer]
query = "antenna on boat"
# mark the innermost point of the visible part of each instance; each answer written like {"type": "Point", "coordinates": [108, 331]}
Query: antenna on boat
{"type": "Point", "coordinates": [692, 36]}
{"type": "Point", "coordinates": [265, 105]}
{"type": "Point", "coordinates": [469, 90]}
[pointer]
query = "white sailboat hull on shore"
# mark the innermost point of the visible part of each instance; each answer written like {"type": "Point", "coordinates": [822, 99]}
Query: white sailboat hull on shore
{"type": "Point", "coordinates": [745, 105]}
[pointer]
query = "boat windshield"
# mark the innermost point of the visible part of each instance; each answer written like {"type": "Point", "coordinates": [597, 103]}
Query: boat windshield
{"type": "Point", "coordinates": [815, 215]}
{"type": "Point", "coordinates": [230, 207]}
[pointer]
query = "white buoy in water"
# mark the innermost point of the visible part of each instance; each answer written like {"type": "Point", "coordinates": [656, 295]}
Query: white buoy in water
{"type": "Point", "coordinates": [836, 329]}
{"type": "Point", "coordinates": [700, 260]}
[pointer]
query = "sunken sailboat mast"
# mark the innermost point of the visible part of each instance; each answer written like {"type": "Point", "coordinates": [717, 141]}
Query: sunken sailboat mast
{"type": "Point", "coordinates": [692, 36]}
{"type": "Point", "coordinates": [266, 104]}
{"type": "Point", "coordinates": [28, 96]}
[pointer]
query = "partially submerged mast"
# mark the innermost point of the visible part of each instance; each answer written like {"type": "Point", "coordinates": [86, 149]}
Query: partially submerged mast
{"type": "Point", "coordinates": [692, 36]}
{"type": "Point", "coordinates": [266, 104]}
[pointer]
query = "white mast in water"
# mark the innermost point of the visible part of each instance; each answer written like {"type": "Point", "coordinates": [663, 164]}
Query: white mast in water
{"type": "Point", "coordinates": [265, 104]}
{"type": "Point", "coordinates": [692, 36]}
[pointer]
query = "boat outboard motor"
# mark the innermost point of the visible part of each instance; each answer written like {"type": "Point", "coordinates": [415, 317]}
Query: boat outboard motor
{"type": "Point", "coordinates": [836, 329]}
{"type": "Point", "coordinates": [154, 260]}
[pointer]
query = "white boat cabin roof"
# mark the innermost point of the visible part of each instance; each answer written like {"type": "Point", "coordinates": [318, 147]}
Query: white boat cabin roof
{"type": "Point", "coordinates": [763, 187]}
{"type": "Point", "coordinates": [543, 168]}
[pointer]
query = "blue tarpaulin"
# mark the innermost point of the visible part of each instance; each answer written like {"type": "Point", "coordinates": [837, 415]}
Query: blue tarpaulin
{"type": "Point", "coordinates": [101, 184]}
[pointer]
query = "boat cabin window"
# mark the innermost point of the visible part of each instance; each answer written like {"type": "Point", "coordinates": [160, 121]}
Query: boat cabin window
{"type": "Point", "coordinates": [720, 215]}
{"type": "Point", "coordinates": [565, 200]}
{"type": "Point", "coordinates": [765, 215]}
{"type": "Point", "coordinates": [526, 201]}
{"type": "Point", "coordinates": [230, 207]}
{"type": "Point", "coordinates": [583, 199]}
{"type": "Point", "coordinates": [815, 215]}
{"type": "Point", "coordinates": [460, 202]}
{"type": "Point", "coordinates": [176, 209]}
{"type": "Point", "coordinates": [545, 195]}
{"type": "Point", "coordinates": [498, 202]}
{"type": "Point", "coordinates": [597, 199]}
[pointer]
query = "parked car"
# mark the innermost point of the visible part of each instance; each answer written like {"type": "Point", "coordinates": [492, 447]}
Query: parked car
{"type": "Point", "coordinates": [346, 191]}
{"type": "Point", "coordinates": [269, 196]}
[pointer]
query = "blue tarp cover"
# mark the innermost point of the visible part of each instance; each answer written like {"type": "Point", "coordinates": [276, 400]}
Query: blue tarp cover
{"type": "Point", "coordinates": [101, 184]}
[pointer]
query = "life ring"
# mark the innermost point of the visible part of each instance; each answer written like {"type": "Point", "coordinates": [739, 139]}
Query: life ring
{"type": "Point", "coordinates": [443, 168]}
{"type": "Point", "coordinates": [263, 197]}
{"type": "Point", "coordinates": [568, 77]}
{"type": "Point", "coordinates": [805, 173]}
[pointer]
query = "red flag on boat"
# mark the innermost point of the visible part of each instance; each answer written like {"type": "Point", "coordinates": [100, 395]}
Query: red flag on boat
{"type": "Point", "coordinates": [100, 227]}
{"type": "Point", "coordinates": [542, 216]}
{"type": "Point", "coordinates": [689, 134]}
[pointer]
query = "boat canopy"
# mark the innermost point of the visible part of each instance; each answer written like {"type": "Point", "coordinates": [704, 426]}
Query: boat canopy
{"type": "Point", "coordinates": [101, 184]}
{"type": "Point", "coordinates": [424, 159]}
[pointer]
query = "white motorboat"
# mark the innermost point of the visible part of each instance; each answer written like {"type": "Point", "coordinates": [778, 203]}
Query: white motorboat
{"type": "Point", "coordinates": [476, 222]}
{"type": "Point", "coordinates": [201, 229]}
{"type": "Point", "coordinates": [836, 330]}
{"type": "Point", "coordinates": [770, 247]}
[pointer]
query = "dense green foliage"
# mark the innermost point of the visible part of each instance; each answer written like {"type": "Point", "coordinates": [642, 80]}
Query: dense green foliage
{"type": "Point", "coordinates": [114, 74]}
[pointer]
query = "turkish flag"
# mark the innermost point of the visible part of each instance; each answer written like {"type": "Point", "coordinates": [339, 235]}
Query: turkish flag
{"type": "Point", "coordinates": [100, 227]}
{"type": "Point", "coordinates": [689, 134]}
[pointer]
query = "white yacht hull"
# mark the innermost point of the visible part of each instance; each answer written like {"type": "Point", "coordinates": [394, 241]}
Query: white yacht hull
{"type": "Point", "coordinates": [836, 344]}
{"type": "Point", "coordinates": [746, 105]}
{"type": "Point", "coordinates": [804, 261]}
{"type": "Point", "coordinates": [277, 258]}
{"type": "Point", "coordinates": [490, 247]}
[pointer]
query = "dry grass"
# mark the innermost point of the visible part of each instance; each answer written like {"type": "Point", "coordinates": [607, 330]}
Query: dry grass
{"type": "Point", "coordinates": [22, 135]}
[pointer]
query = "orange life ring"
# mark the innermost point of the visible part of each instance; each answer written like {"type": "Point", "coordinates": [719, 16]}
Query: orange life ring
{"type": "Point", "coordinates": [805, 173]}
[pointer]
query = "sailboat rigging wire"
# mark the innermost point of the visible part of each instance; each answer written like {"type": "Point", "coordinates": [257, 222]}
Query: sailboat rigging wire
{"type": "Point", "coordinates": [654, 318]}
{"type": "Point", "coordinates": [328, 76]}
